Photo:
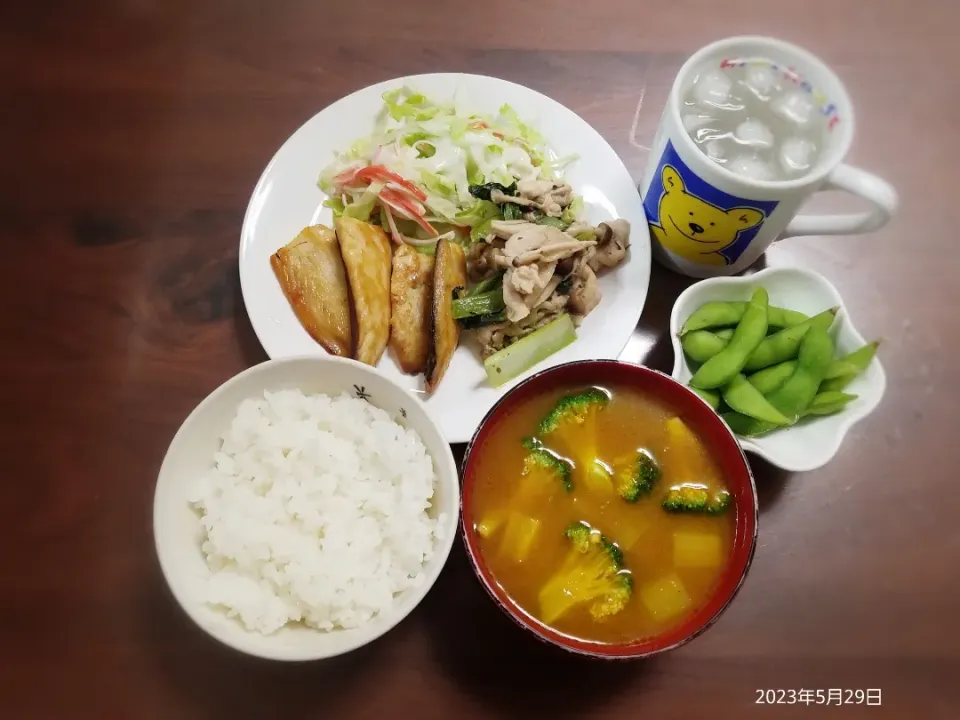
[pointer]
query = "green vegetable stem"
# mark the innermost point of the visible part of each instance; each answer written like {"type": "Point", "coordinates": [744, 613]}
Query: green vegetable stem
{"type": "Point", "coordinates": [483, 304]}
{"type": "Point", "coordinates": [514, 359]}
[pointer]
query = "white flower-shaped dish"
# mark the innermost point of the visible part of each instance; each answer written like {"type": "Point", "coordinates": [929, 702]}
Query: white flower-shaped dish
{"type": "Point", "coordinates": [813, 442]}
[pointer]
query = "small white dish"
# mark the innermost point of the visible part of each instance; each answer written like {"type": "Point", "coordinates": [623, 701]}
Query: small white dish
{"type": "Point", "coordinates": [811, 443]}
{"type": "Point", "coordinates": [287, 198]}
{"type": "Point", "coordinates": [178, 534]}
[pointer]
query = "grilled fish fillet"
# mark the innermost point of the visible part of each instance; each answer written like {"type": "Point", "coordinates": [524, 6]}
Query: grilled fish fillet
{"type": "Point", "coordinates": [411, 291]}
{"type": "Point", "coordinates": [450, 272]}
{"type": "Point", "coordinates": [311, 273]}
{"type": "Point", "coordinates": [366, 255]}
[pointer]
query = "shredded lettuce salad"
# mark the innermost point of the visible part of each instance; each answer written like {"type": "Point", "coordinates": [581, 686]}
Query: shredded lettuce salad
{"type": "Point", "coordinates": [413, 174]}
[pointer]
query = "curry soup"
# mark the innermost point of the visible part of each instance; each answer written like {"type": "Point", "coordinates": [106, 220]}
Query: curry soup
{"type": "Point", "coordinates": [523, 509]}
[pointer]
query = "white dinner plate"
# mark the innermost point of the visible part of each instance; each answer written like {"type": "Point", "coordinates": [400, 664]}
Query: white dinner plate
{"type": "Point", "coordinates": [287, 198]}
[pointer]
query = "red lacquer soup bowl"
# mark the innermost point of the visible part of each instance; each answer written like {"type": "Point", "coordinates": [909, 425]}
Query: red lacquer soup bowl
{"type": "Point", "coordinates": [712, 431]}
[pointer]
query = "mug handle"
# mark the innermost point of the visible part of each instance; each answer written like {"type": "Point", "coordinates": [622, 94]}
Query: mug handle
{"type": "Point", "coordinates": [871, 188]}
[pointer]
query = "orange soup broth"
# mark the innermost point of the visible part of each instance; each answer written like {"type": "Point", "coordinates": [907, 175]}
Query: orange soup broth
{"type": "Point", "coordinates": [643, 530]}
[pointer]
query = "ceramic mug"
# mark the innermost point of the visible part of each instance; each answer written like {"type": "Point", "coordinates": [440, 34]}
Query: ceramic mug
{"type": "Point", "coordinates": [739, 217]}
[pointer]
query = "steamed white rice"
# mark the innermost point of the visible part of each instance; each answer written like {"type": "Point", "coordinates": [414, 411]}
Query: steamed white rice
{"type": "Point", "coordinates": [316, 510]}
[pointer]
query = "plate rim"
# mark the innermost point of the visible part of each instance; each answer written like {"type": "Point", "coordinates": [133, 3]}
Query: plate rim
{"type": "Point", "coordinates": [398, 81]}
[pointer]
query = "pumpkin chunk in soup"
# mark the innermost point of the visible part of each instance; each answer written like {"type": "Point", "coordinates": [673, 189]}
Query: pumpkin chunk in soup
{"type": "Point", "coordinates": [571, 506]}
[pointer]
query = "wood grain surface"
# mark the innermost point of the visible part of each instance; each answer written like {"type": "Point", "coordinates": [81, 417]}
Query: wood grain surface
{"type": "Point", "coordinates": [131, 135]}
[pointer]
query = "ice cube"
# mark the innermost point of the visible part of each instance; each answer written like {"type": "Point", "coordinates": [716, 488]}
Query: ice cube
{"type": "Point", "coordinates": [760, 80]}
{"type": "Point", "coordinates": [796, 106]}
{"type": "Point", "coordinates": [796, 155]}
{"type": "Point", "coordinates": [755, 134]}
{"type": "Point", "coordinates": [695, 121]}
{"type": "Point", "coordinates": [751, 167]}
{"type": "Point", "coordinates": [716, 151]}
{"type": "Point", "coordinates": [704, 134]}
{"type": "Point", "coordinates": [712, 89]}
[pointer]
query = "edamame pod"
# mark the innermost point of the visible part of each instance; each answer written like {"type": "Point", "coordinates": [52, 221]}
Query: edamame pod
{"type": "Point", "coordinates": [840, 367]}
{"type": "Point", "coordinates": [837, 378]}
{"type": "Point", "coordinates": [723, 314]}
{"type": "Point", "coordinates": [744, 398]}
{"type": "Point", "coordinates": [785, 344]}
{"type": "Point", "coordinates": [816, 352]}
{"type": "Point", "coordinates": [712, 399]}
{"type": "Point", "coordinates": [701, 345]}
{"type": "Point", "coordinates": [724, 366]}
{"type": "Point", "coordinates": [796, 394]}
{"type": "Point", "coordinates": [828, 403]}
{"type": "Point", "coordinates": [742, 425]}
{"type": "Point", "coordinates": [772, 378]}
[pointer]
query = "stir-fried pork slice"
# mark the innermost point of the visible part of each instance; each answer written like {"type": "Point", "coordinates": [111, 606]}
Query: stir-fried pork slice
{"type": "Point", "coordinates": [523, 286]}
{"type": "Point", "coordinates": [547, 196]}
{"type": "Point", "coordinates": [550, 196]}
{"type": "Point", "coordinates": [533, 188]}
{"type": "Point", "coordinates": [528, 242]}
{"type": "Point", "coordinates": [506, 229]}
{"type": "Point", "coordinates": [553, 252]}
{"type": "Point", "coordinates": [499, 197]}
{"type": "Point", "coordinates": [584, 293]}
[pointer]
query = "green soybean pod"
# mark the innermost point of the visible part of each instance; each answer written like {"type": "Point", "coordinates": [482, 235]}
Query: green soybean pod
{"type": "Point", "coordinates": [712, 399]}
{"type": "Point", "coordinates": [843, 370]}
{"type": "Point", "coordinates": [701, 345]}
{"type": "Point", "coordinates": [745, 426]}
{"type": "Point", "coordinates": [713, 315]}
{"type": "Point", "coordinates": [796, 394]}
{"type": "Point", "coordinates": [816, 352]}
{"type": "Point", "coordinates": [784, 318]}
{"type": "Point", "coordinates": [785, 344]}
{"type": "Point", "coordinates": [829, 402]}
{"type": "Point", "coordinates": [839, 367]}
{"type": "Point", "coordinates": [772, 378]}
{"type": "Point", "coordinates": [724, 366]}
{"type": "Point", "coordinates": [724, 314]}
{"type": "Point", "coordinates": [744, 398]}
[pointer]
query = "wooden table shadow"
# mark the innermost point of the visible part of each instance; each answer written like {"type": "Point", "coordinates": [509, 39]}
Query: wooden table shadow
{"type": "Point", "coordinates": [217, 681]}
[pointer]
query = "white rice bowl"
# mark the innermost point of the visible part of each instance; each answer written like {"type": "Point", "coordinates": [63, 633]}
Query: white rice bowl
{"type": "Point", "coordinates": [315, 511]}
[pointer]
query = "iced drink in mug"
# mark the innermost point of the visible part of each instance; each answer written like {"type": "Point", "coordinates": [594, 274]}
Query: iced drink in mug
{"type": "Point", "coordinates": [753, 127]}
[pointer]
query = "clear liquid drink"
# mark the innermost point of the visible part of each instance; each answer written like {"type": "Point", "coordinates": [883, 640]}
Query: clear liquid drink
{"type": "Point", "coordinates": [756, 119]}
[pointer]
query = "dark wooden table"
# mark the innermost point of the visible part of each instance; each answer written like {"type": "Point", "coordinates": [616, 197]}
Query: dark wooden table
{"type": "Point", "coordinates": [131, 135]}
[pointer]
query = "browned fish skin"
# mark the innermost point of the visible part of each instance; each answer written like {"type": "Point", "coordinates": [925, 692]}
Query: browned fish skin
{"type": "Point", "coordinates": [311, 274]}
{"type": "Point", "coordinates": [411, 293]}
{"type": "Point", "coordinates": [450, 273]}
{"type": "Point", "coordinates": [366, 255]}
